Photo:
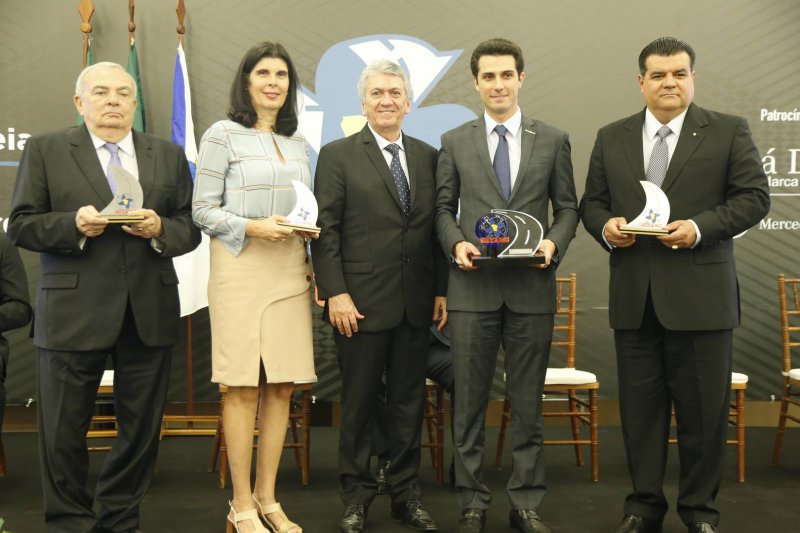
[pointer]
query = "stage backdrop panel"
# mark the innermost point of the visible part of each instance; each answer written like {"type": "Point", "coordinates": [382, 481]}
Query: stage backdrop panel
{"type": "Point", "coordinates": [581, 74]}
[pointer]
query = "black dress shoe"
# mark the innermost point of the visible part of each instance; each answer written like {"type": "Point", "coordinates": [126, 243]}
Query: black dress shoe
{"type": "Point", "coordinates": [472, 521]}
{"type": "Point", "coordinates": [702, 527]}
{"type": "Point", "coordinates": [633, 523]}
{"type": "Point", "coordinates": [413, 515]}
{"type": "Point", "coordinates": [354, 519]}
{"type": "Point", "coordinates": [380, 476]}
{"type": "Point", "coordinates": [527, 521]}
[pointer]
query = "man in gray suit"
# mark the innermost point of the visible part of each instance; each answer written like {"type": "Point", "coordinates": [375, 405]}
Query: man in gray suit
{"type": "Point", "coordinates": [508, 305]}
{"type": "Point", "coordinates": [383, 279]}
{"type": "Point", "coordinates": [674, 299]}
{"type": "Point", "coordinates": [105, 289]}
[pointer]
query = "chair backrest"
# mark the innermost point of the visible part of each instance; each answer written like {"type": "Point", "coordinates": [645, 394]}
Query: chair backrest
{"type": "Point", "coordinates": [789, 303]}
{"type": "Point", "coordinates": [564, 322]}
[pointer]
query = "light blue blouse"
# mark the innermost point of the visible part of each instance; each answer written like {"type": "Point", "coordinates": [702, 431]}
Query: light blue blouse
{"type": "Point", "coordinates": [240, 177]}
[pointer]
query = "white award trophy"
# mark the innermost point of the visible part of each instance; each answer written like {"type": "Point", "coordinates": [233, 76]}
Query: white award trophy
{"type": "Point", "coordinates": [304, 214]}
{"type": "Point", "coordinates": [129, 196]}
{"type": "Point", "coordinates": [655, 214]}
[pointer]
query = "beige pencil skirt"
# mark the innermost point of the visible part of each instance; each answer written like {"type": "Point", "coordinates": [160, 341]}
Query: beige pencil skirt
{"type": "Point", "coordinates": [260, 309]}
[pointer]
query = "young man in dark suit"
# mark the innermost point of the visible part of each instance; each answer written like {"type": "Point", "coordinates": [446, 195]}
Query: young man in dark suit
{"type": "Point", "coordinates": [383, 278]}
{"type": "Point", "coordinates": [105, 289]}
{"type": "Point", "coordinates": [674, 299]}
{"type": "Point", "coordinates": [512, 305]}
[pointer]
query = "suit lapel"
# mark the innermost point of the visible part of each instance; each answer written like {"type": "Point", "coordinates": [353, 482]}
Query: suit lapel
{"type": "Point", "coordinates": [482, 150]}
{"type": "Point", "coordinates": [146, 162]}
{"type": "Point", "coordinates": [528, 133]}
{"type": "Point", "coordinates": [379, 162]}
{"type": "Point", "coordinates": [691, 137]}
{"type": "Point", "coordinates": [411, 162]}
{"type": "Point", "coordinates": [632, 144]}
{"type": "Point", "coordinates": [85, 155]}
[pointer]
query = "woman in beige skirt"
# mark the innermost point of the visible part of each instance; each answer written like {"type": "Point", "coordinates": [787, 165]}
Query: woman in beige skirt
{"type": "Point", "coordinates": [259, 289]}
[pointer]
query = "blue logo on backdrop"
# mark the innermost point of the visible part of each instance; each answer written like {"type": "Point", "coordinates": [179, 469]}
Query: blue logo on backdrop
{"type": "Point", "coordinates": [334, 111]}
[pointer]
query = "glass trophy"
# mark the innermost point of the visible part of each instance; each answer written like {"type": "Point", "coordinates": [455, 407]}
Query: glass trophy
{"type": "Point", "coordinates": [508, 237]}
{"type": "Point", "coordinates": [303, 216]}
{"type": "Point", "coordinates": [129, 196]}
{"type": "Point", "coordinates": [654, 215]}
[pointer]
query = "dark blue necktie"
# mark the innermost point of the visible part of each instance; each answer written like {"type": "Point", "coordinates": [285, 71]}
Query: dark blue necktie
{"type": "Point", "coordinates": [502, 163]}
{"type": "Point", "coordinates": [400, 180]}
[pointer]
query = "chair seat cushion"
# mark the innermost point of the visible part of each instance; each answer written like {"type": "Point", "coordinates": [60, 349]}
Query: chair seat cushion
{"type": "Point", "coordinates": [736, 377]}
{"type": "Point", "coordinates": [794, 373]}
{"type": "Point", "coordinates": [568, 376]}
{"type": "Point", "coordinates": [108, 378]}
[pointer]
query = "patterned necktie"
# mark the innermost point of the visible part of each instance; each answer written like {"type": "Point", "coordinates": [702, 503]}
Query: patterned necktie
{"type": "Point", "coordinates": [502, 163]}
{"type": "Point", "coordinates": [400, 180]}
{"type": "Point", "coordinates": [659, 158]}
{"type": "Point", "coordinates": [115, 161]}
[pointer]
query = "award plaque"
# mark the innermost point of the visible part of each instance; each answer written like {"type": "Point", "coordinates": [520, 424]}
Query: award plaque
{"type": "Point", "coordinates": [508, 237]}
{"type": "Point", "coordinates": [303, 216]}
{"type": "Point", "coordinates": [654, 215]}
{"type": "Point", "coordinates": [128, 197]}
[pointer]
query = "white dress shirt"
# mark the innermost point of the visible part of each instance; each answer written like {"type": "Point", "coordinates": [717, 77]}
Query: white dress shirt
{"type": "Point", "coordinates": [127, 153]}
{"type": "Point", "coordinates": [513, 136]}
{"type": "Point", "coordinates": [387, 155]}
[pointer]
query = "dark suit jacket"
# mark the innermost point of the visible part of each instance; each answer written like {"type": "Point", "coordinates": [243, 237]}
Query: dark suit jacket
{"type": "Point", "coordinates": [465, 173]}
{"type": "Point", "coordinates": [389, 263]}
{"type": "Point", "coordinates": [15, 311]}
{"type": "Point", "coordinates": [716, 179]}
{"type": "Point", "coordinates": [83, 293]}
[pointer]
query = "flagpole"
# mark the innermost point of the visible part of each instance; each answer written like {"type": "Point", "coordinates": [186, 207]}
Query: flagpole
{"type": "Point", "coordinates": [131, 23]}
{"type": "Point", "coordinates": [86, 10]}
{"type": "Point", "coordinates": [180, 11]}
{"type": "Point", "coordinates": [189, 418]}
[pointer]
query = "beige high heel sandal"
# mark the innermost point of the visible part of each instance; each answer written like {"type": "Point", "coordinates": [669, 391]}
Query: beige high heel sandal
{"type": "Point", "coordinates": [251, 515]}
{"type": "Point", "coordinates": [287, 525]}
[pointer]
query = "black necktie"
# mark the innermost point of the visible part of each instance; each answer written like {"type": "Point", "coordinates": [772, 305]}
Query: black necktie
{"type": "Point", "coordinates": [400, 180]}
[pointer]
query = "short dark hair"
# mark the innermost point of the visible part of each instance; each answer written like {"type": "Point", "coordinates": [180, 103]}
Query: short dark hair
{"type": "Point", "coordinates": [241, 108]}
{"type": "Point", "coordinates": [496, 47]}
{"type": "Point", "coordinates": [665, 46]}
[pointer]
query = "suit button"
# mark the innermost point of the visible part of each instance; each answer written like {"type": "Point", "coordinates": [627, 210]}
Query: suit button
{"type": "Point", "coordinates": [308, 278]}
{"type": "Point", "coordinates": [123, 270]}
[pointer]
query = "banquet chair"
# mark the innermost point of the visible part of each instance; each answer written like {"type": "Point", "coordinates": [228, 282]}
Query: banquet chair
{"type": "Point", "coordinates": [789, 306]}
{"type": "Point", "coordinates": [736, 419]}
{"type": "Point", "coordinates": [103, 425]}
{"type": "Point", "coordinates": [299, 435]}
{"type": "Point", "coordinates": [577, 386]}
{"type": "Point", "coordinates": [434, 417]}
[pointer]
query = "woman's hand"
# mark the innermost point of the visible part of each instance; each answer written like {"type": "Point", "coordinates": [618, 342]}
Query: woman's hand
{"type": "Point", "coordinates": [268, 229]}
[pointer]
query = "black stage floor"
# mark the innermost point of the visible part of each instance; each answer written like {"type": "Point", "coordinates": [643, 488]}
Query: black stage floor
{"type": "Point", "coordinates": [185, 498]}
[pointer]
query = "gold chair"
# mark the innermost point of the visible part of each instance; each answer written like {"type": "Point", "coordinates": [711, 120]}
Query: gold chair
{"type": "Point", "coordinates": [299, 415]}
{"type": "Point", "coordinates": [737, 420]}
{"type": "Point", "coordinates": [578, 386]}
{"type": "Point", "coordinates": [789, 304]}
{"type": "Point", "coordinates": [434, 417]}
{"type": "Point", "coordinates": [103, 425]}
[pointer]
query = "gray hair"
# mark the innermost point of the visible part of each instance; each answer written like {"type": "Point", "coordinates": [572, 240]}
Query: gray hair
{"type": "Point", "coordinates": [383, 66]}
{"type": "Point", "coordinates": [103, 64]}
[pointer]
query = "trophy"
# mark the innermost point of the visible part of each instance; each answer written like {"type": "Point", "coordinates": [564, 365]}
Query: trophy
{"type": "Point", "coordinates": [303, 216]}
{"type": "Point", "coordinates": [508, 237]}
{"type": "Point", "coordinates": [127, 198]}
{"type": "Point", "coordinates": [654, 215]}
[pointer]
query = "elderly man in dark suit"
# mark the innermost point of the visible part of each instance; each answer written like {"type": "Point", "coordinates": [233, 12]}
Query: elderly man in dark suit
{"type": "Point", "coordinates": [674, 299]}
{"type": "Point", "coordinates": [503, 159]}
{"type": "Point", "coordinates": [105, 289]}
{"type": "Point", "coordinates": [383, 278]}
